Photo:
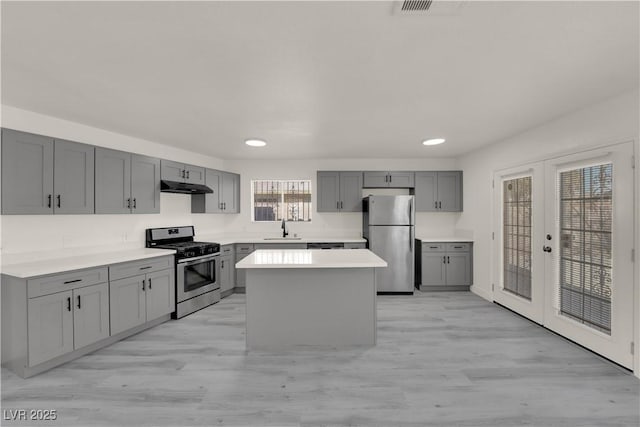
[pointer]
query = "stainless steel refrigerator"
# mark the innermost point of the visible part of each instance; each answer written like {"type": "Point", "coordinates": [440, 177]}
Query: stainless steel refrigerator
{"type": "Point", "coordinates": [388, 224]}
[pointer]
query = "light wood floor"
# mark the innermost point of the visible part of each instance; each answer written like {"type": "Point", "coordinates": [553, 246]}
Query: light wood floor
{"type": "Point", "coordinates": [442, 359]}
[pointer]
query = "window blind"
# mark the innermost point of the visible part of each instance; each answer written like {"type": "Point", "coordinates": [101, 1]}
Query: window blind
{"type": "Point", "coordinates": [586, 207]}
{"type": "Point", "coordinates": [517, 236]}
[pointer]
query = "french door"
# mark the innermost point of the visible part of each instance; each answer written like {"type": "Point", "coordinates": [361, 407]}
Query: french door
{"type": "Point", "coordinates": [565, 244]}
{"type": "Point", "coordinates": [519, 272]}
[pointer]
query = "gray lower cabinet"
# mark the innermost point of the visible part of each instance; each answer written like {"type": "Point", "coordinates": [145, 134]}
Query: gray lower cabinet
{"type": "Point", "coordinates": [42, 175]}
{"type": "Point", "coordinates": [439, 191]}
{"type": "Point", "coordinates": [141, 298]}
{"type": "Point", "coordinates": [227, 273]}
{"type": "Point", "coordinates": [382, 179]}
{"type": "Point", "coordinates": [242, 250]}
{"type": "Point", "coordinates": [126, 183]}
{"type": "Point", "coordinates": [65, 321]}
{"type": "Point", "coordinates": [180, 172]}
{"type": "Point", "coordinates": [446, 265]}
{"type": "Point", "coordinates": [225, 197]}
{"type": "Point", "coordinates": [339, 191]}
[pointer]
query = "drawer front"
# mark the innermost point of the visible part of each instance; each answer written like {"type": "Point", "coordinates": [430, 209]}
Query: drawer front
{"type": "Point", "coordinates": [66, 281]}
{"type": "Point", "coordinates": [226, 250]}
{"type": "Point", "coordinates": [244, 248]}
{"type": "Point", "coordinates": [458, 247]}
{"type": "Point", "coordinates": [128, 269]}
{"type": "Point", "coordinates": [433, 247]}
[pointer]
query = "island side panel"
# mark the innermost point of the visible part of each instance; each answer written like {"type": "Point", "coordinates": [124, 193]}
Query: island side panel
{"type": "Point", "coordinates": [328, 307]}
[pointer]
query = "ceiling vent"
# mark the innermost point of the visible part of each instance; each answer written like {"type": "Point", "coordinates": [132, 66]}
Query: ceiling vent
{"type": "Point", "coordinates": [429, 7]}
{"type": "Point", "coordinates": [416, 5]}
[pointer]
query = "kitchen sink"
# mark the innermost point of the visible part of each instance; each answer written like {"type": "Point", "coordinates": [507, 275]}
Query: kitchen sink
{"type": "Point", "coordinates": [282, 238]}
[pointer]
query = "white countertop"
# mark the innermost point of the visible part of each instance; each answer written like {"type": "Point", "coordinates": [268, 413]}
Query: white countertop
{"type": "Point", "coordinates": [58, 265]}
{"type": "Point", "coordinates": [309, 258]}
{"type": "Point", "coordinates": [231, 239]}
{"type": "Point", "coordinates": [444, 239]}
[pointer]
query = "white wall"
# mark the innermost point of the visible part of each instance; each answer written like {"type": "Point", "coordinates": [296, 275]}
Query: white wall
{"type": "Point", "coordinates": [611, 121]}
{"type": "Point", "coordinates": [330, 224]}
{"type": "Point", "coordinates": [28, 233]}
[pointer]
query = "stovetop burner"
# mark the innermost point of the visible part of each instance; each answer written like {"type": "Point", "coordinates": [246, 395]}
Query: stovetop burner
{"type": "Point", "coordinates": [180, 239]}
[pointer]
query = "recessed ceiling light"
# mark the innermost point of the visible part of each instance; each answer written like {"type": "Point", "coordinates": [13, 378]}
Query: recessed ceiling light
{"type": "Point", "coordinates": [434, 141]}
{"type": "Point", "coordinates": [255, 142]}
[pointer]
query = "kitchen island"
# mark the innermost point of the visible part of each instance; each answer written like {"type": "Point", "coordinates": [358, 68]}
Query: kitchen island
{"type": "Point", "coordinates": [300, 297]}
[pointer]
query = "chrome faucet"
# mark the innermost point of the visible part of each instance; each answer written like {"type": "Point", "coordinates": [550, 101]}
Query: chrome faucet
{"type": "Point", "coordinates": [285, 233]}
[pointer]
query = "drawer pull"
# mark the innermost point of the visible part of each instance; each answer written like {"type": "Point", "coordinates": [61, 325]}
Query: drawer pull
{"type": "Point", "coordinates": [457, 247]}
{"type": "Point", "coordinates": [146, 268]}
{"type": "Point", "coordinates": [433, 247]}
{"type": "Point", "coordinates": [79, 306]}
{"type": "Point", "coordinates": [69, 304]}
{"type": "Point", "coordinates": [72, 281]}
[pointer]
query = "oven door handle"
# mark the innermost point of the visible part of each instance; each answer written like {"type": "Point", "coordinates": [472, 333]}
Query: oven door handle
{"type": "Point", "coordinates": [198, 260]}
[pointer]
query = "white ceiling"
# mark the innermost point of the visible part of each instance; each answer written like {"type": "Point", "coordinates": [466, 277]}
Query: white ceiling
{"type": "Point", "coordinates": [316, 79]}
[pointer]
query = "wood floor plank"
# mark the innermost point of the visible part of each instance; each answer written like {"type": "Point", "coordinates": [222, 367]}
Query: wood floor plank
{"type": "Point", "coordinates": [442, 359]}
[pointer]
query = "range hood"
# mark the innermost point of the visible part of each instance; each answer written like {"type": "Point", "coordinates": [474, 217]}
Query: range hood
{"type": "Point", "coordinates": [183, 187]}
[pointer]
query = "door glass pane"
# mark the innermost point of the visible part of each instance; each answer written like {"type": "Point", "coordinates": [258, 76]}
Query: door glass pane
{"type": "Point", "coordinates": [517, 236]}
{"type": "Point", "coordinates": [586, 206]}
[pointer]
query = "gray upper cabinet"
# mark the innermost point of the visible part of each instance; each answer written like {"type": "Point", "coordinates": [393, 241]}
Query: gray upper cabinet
{"type": "Point", "coordinates": [41, 175]}
{"type": "Point", "coordinates": [126, 183]}
{"type": "Point", "coordinates": [113, 181]}
{"type": "Point", "coordinates": [180, 172]}
{"type": "Point", "coordinates": [73, 178]}
{"type": "Point", "coordinates": [382, 179]}
{"type": "Point", "coordinates": [225, 197]}
{"type": "Point", "coordinates": [27, 173]}
{"type": "Point", "coordinates": [230, 192]}
{"type": "Point", "coordinates": [145, 184]}
{"type": "Point", "coordinates": [339, 191]}
{"type": "Point", "coordinates": [328, 191]}
{"type": "Point", "coordinates": [438, 191]}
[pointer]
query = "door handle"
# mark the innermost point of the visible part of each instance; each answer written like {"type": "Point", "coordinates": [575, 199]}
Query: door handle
{"type": "Point", "coordinates": [69, 304]}
{"type": "Point", "coordinates": [436, 205]}
{"type": "Point", "coordinates": [448, 260]}
{"type": "Point", "coordinates": [183, 172]}
{"type": "Point", "coordinates": [546, 248]}
{"type": "Point", "coordinates": [144, 282]}
{"type": "Point", "coordinates": [149, 283]}
{"type": "Point", "coordinates": [134, 204]}
{"type": "Point", "coordinates": [444, 259]}
{"type": "Point", "coordinates": [390, 178]}
{"type": "Point", "coordinates": [59, 198]}
{"type": "Point", "coordinates": [341, 205]}
{"type": "Point", "coordinates": [49, 201]}
{"type": "Point", "coordinates": [128, 203]}
{"type": "Point", "coordinates": [79, 306]}
{"type": "Point", "coordinates": [187, 174]}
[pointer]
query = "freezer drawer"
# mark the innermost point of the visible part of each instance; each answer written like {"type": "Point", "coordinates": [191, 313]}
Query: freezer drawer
{"type": "Point", "coordinates": [394, 244]}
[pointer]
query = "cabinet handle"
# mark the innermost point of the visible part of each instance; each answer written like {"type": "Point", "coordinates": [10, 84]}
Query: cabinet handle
{"type": "Point", "coordinates": [341, 205]}
{"type": "Point", "coordinates": [144, 282]}
{"type": "Point", "coordinates": [128, 203]}
{"type": "Point", "coordinates": [79, 306]}
{"type": "Point", "coordinates": [187, 174]}
{"type": "Point", "coordinates": [72, 281]}
{"type": "Point", "coordinates": [146, 268]}
{"type": "Point", "coordinates": [59, 198]}
{"type": "Point", "coordinates": [134, 204]}
{"type": "Point", "coordinates": [182, 173]}
{"type": "Point", "coordinates": [433, 247]}
{"type": "Point", "coordinates": [457, 247]}
{"type": "Point", "coordinates": [69, 304]}
{"type": "Point", "coordinates": [222, 264]}
{"type": "Point", "coordinates": [444, 259]}
{"type": "Point", "coordinates": [448, 261]}
{"type": "Point", "coordinates": [337, 205]}
{"type": "Point", "coordinates": [49, 201]}
{"type": "Point", "coordinates": [149, 282]}
{"type": "Point", "coordinates": [436, 205]}
{"type": "Point", "coordinates": [390, 178]}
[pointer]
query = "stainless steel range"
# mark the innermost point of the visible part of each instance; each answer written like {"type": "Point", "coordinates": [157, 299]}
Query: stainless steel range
{"type": "Point", "coordinates": [197, 267]}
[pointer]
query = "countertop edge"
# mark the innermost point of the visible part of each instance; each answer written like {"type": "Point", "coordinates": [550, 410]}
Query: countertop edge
{"type": "Point", "coordinates": [33, 269]}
